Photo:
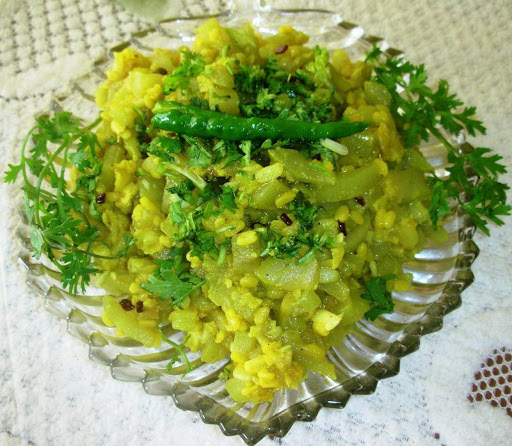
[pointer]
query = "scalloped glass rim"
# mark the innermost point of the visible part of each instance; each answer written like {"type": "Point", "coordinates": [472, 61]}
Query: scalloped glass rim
{"type": "Point", "coordinates": [372, 352]}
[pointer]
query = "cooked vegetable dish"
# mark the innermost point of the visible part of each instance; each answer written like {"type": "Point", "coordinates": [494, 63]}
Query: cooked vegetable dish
{"type": "Point", "coordinates": [255, 193]}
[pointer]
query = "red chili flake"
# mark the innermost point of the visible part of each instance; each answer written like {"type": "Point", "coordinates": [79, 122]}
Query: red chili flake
{"type": "Point", "coordinates": [342, 227]}
{"type": "Point", "coordinates": [100, 198]}
{"type": "Point", "coordinates": [281, 49]}
{"type": "Point", "coordinates": [286, 220]}
{"type": "Point", "coordinates": [360, 200]}
{"type": "Point", "coordinates": [126, 304]}
{"type": "Point", "coordinates": [139, 306]}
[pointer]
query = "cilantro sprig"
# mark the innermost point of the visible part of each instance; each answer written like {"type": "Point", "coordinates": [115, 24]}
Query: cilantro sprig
{"type": "Point", "coordinates": [309, 92]}
{"type": "Point", "coordinates": [381, 300]}
{"type": "Point", "coordinates": [179, 354]}
{"type": "Point", "coordinates": [192, 65]}
{"type": "Point", "coordinates": [171, 281]}
{"type": "Point", "coordinates": [303, 246]}
{"type": "Point", "coordinates": [304, 211]}
{"type": "Point", "coordinates": [421, 111]}
{"type": "Point", "coordinates": [192, 207]}
{"type": "Point", "coordinates": [64, 224]}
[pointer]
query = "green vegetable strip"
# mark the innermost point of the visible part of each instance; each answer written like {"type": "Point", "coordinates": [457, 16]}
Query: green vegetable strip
{"type": "Point", "coordinates": [351, 184]}
{"type": "Point", "coordinates": [192, 121]}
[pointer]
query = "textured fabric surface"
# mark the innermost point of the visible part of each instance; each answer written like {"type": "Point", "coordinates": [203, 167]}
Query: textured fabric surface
{"type": "Point", "coordinates": [51, 394]}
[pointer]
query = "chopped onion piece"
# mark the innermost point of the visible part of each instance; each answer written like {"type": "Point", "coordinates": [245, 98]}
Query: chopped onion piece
{"type": "Point", "coordinates": [336, 147]}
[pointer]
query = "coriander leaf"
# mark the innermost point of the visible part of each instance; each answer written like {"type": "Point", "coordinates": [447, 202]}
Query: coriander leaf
{"type": "Point", "coordinates": [192, 65]}
{"type": "Point", "coordinates": [198, 153]}
{"type": "Point", "coordinates": [184, 190]}
{"type": "Point", "coordinates": [141, 125]}
{"type": "Point", "coordinates": [40, 148]}
{"type": "Point", "coordinates": [203, 242]}
{"type": "Point", "coordinates": [55, 129]}
{"type": "Point", "coordinates": [128, 242]}
{"type": "Point", "coordinates": [178, 351]}
{"type": "Point", "coordinates": [35, 165]}
{"type": "Point", "coordinates": [316, 150]}
{"type": "Point", "coordinates": [63, 223]}
{"type": "Point", "coordinates": [88, 141]}
{"type": "Point", "coordinates": [78, 159]}
{"type": "Point", "coordinates": [12, 173]}
{"type": "Point", "coordinates": [227, 198]}
{"type": "Point", "coordinates": [439, 205]}
{"type": "Point", "coordinates": [381, 300]}
{"type": "Point", "coordinates": [171, 281]}
{"type": "Point", "coordinates": [319, 69]}
{"type": "Point", "coordinates": [374, 54]}
{"type": "Point", "coordinates": [315, 242]}
{"type": "Point", "coordinates": [176, 214]}
{"type": "Point", "coordinates": [304, 211]}
{"type": "Point", "coordinates": [163, 147]}
{"type": "Point", "coordinates": [483, 165]}
{"type": "Point", "coordinates": [77, 268]}
{"type": "Point", "coordinates": [421, 111]}
{"type": "Point", "coordinates": [208, 192]}
{"type": "Point", "coordinates": [85, 157]}
{"type": "Point", "coordinates": [262, 90]}
{"type": "Point", "coordinates": [227, 151]}
{"type": "Point", "coordinates": [171, 287]}
{"type": "Point", "coordinates": [274, 244]}
{"type": "Point", "coordinates": [231, 152]}
{"type": "Point", "coordinates": [484, 201]}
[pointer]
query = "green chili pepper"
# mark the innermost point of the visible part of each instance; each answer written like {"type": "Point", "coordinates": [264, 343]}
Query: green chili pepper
{"type": "Point", "coordinates": [194, 121]}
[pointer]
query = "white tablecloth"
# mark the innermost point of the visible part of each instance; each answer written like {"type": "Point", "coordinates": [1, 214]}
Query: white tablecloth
{"type": "Point", "coordinates": [51, 394]}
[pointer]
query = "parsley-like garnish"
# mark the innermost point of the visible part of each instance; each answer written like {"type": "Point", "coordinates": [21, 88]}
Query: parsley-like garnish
{"type": "Point", "coordinates": [63, 224]}
{"type": "Point", "coordinates": [211, 200]}
{"type": "Point", "coordinates": [198, 152]}
{"type": "Point", "coordinates": [262, 88]}
{"type": "Point", "coordinates": [172, 282]}
{"type": "Point", "coordinates": [192, 66]}
{"type": "Point", "coordinates": [303, 246]}
{"type": "Point", "coordinates": [381, 300]}
{"type": "Point", "coordinates": [419, 112]}
{"type": "Point", "coordinates": [178, 352]}
{"type": "Point", "coordinates": [164, 147]}
{"type": "Point", "coordinates": [304, 211]}
{"type": "Point", "coordinates": [142, 124]}
{"type": "Point", "coordinates": [203, 242]}
{"type": "Point", "coordinates": [229, 152]}
{"type": "Point", "coordinates": [184, 190]}
{"type": "Point", "coordinates": [227, 198]}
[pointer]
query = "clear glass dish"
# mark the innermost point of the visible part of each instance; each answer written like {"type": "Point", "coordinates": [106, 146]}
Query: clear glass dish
{"type": "Point", "coordinates": [372, 352]}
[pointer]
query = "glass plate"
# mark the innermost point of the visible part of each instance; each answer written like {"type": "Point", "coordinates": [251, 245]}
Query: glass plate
{"type": "Point", "coordinates": [372, 352]}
